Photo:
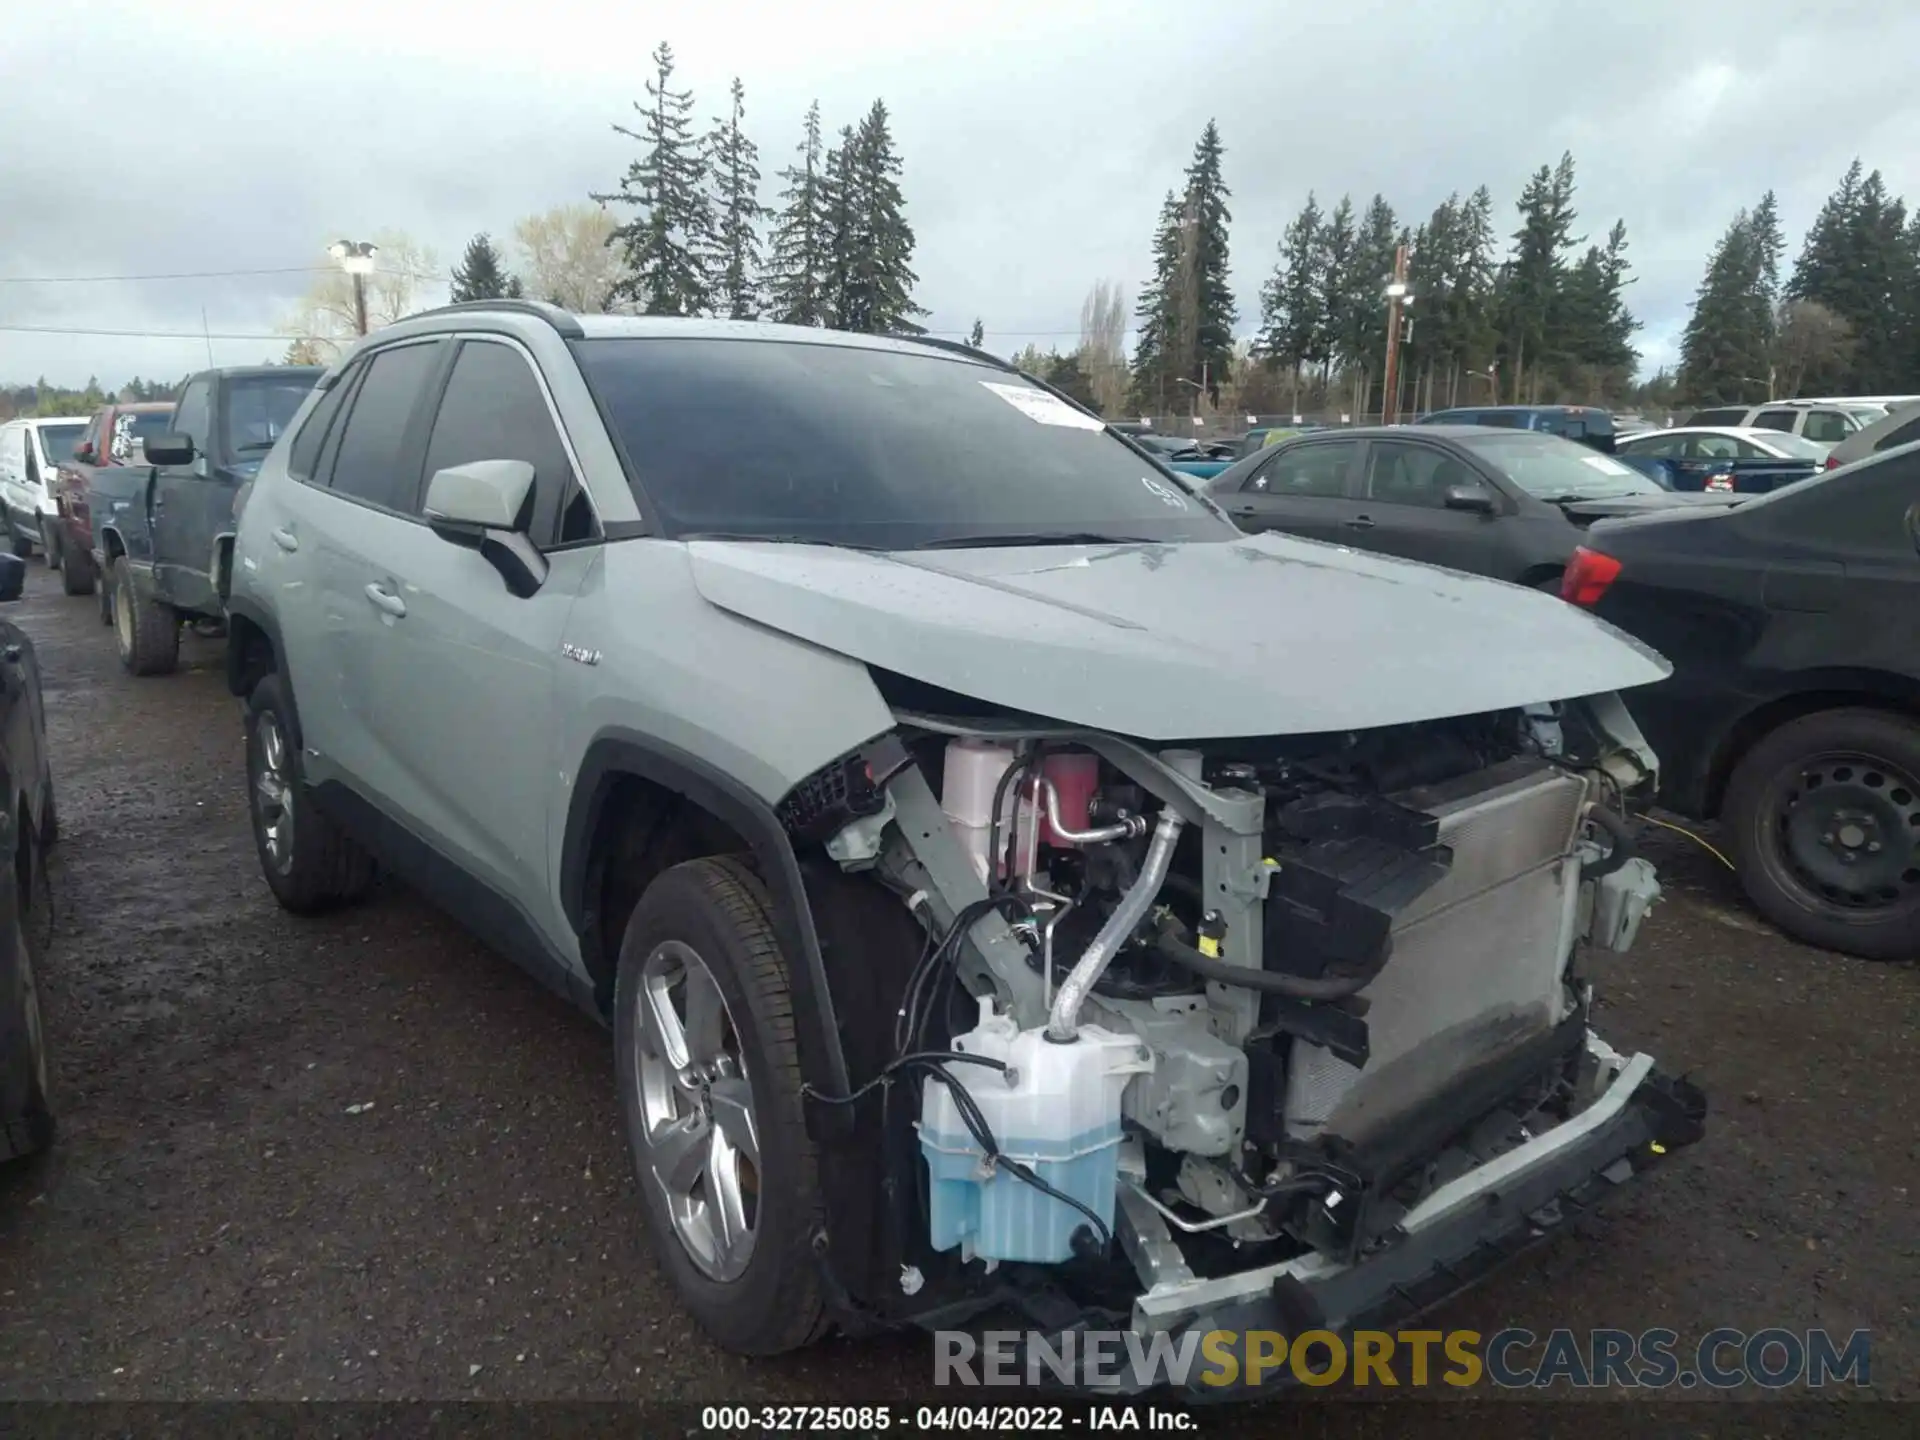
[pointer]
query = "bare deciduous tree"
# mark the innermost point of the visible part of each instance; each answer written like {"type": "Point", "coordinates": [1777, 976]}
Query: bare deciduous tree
{"type": "Point", "coordinates": [406, 278]}
{"type": "Point", "coordinates": [565, 258]}
{"type": "Point", "coordinates": [1807, 336]}
{"type": "Point", "coordinates": [1103, 336]}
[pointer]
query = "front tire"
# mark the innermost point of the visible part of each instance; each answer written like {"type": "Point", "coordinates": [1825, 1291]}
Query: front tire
{"type": "Point", "coordinates": [308, 863]}
{"type": "Point", "coordinates": [146, 631]}
{"type": "Point", "coordinates": [26, 1119]}
{"type": "Point", "coordinates": [50, 543]}
{"type": "Point", "coordinates": [710, 1090]}
{"type": "Point", "coordinates": [1824, 814]}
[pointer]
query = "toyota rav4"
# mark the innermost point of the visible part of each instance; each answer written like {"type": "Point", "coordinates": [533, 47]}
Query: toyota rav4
{"type": "Point", "coordinates": [1007, 884]}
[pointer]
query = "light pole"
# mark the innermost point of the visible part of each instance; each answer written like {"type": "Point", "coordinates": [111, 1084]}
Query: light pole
{"type": "Point", "coordinates": [1396, 298]}
{"type": "Point", "coordinates": [1199, 389]}
{"type": "Point", "coordinates": [1492, 376]}
{"type": "Point", "coordinates": [356, 258]}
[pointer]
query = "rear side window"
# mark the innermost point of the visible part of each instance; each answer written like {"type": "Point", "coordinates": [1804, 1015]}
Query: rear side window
{"type": "Point", "coordinates": [1736, 415]}
{"type": "Point", "coordinates": [1307, 471]}
{"type": "Point", "coordinates": [1501, 419]}
{"type": "Point", "coordinates": [493, 409]}
{"type": "Point", "coordinates": [304, 454]}
{"type": "Point", "coordinates": [1775, 420]}
{"type": "Point", "coordinates": [371, 460]}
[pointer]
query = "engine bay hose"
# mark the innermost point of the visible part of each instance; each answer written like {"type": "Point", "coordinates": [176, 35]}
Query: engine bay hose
{"type": "Point", "coordinates": [1624, 845]}
{"type": "Point", "coordinates": [1063, 1023]}
{"type": "Point", "coordinates": [1169, 940]}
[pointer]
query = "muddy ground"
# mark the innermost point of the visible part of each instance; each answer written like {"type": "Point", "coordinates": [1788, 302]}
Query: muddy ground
{"type": "Point", "coordinates": [361, 1158]}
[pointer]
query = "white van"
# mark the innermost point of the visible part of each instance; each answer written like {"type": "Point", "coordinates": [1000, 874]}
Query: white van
{"type": "Point", "coordinates": [30, 451]}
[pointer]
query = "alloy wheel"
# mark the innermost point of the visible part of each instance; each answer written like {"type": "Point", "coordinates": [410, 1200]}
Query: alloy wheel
{"type": "Point", "coordinates": [696, 1108]}
{"type": "Point", "coordinates": [273, 792]}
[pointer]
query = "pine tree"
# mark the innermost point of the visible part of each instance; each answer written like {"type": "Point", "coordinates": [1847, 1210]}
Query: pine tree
{"type": "Point", "coordinates": [797, 256]}
{"type": "Point", "coordinates": [977, 336]}
{"type": "Point", "coordinates": [1333, 267]}
{"type": "Point", "coordinates": [1725, 349]}
{"type": "Point", "coordinates": [671, 235]}
{"type": "Point", "coordinates": [733, 169]}
{"type": "Point", "coordinates": [1533, 307]}
{"type": "Point", "coordinates": [1859, 264]}
{"type": "Point", "coordinates": [1293, 320]}
{"type": "Point", "coordinates": [1065, 374]}
{"type": "Point", "coordinates": [1362, 339]}
{"type": "Point", "coordinates": [839, 230]}
{"type": "Point", "coordinates": [480, 274]}
{"type": "Point", "coordinates": [1188, 305]}
{"type": "Point", "coordinates": [872, 243]}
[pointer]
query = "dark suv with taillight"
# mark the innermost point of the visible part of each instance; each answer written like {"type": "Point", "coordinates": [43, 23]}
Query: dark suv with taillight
{"type": "Point", "coordinates": [1793, 711]}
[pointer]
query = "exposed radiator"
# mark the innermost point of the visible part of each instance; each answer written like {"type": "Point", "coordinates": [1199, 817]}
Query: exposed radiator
{"type": "Point", "coordinates": [1477, 960]}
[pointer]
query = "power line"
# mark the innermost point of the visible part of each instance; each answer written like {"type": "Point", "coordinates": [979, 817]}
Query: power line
{"type": "Point", "coordinates": [195, 275]}
{"type": "Point", "coordinates": [139, 334]}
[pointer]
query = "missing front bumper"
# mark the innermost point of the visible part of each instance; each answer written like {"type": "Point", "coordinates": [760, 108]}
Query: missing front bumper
{"type": "Point", "coordinates": [1446, 1244]}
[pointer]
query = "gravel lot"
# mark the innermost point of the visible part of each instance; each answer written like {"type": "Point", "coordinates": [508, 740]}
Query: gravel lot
{"type": "Point", "coordinates": [361, 1158]}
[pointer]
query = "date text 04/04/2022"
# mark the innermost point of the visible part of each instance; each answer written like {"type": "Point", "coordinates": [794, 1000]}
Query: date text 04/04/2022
{"type": "Point", "coordinates": [981, 1419]}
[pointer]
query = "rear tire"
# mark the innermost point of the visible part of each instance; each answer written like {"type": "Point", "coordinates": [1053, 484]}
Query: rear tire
{"type": "Point", "coordinates": [716, 911]}
{"type": "Point", "coordinates": [1824, 814]}
{"type": "Point", "coordinates": [147, 632]}
{"type": "Point", "coordinates": [76, 572]}
{"type": "Point", "coordinates": [21, 545]}
{"type": "Point", "coordinates": [308, 863]}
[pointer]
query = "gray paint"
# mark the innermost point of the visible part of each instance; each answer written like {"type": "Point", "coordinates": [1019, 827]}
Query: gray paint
{"type": "Point", "coordinates": [1260, 635]}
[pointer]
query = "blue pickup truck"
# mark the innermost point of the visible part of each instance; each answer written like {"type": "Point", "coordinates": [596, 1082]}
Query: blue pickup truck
{"type": "Point", "coordinates": [163, 526]}
{"type": "Point", "coordinates": [1723, 460]}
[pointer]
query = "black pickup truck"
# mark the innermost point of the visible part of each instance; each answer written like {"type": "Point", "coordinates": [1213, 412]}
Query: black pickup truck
{"type": "Point", "coordinates": [163, 529]}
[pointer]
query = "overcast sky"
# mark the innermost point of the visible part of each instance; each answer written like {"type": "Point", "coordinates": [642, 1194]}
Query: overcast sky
{"type": "Point", "coordinates": [1038, 137]}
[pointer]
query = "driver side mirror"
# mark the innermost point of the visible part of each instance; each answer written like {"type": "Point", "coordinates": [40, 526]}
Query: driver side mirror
{"type": "Point", "coordinates": [83, 452]}
{"type": "Point", "coordinates": [1476, 499]}
{"type": "Point", "coordinates": [168, 449]}
{"type": "Point", "coordinates": [484, 506]}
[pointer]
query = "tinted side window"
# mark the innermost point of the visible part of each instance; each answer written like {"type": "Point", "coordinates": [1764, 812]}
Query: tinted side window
{"type": "Point", "coordinates": [1664, 447]}
{"type": "Point", "coordinates": [1501, 419]}
{"type": "Point", "coordinates": [1774, 420]}
{"type": "Point", "coordinates": [304, 454]}
{"type": "Point", "coordinates": [493, 409]}
{"type": "Point", "coordinates": [193, 416]}
{"type": "Point", "coordinates": [1737, 416]}
{"type": "Point", "coordinates": [1307, 470]}
{"type": "Point", "coordinates": [371, 458]}
{"type": "Point", "coordinates": [1829, 427]}
{"type": "Point", "coordinates": [1402, 474]}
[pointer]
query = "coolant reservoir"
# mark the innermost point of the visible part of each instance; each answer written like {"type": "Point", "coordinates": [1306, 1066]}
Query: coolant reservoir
{"type": "Point", "coordinates": [971, 773]}
{"type": "Point", "coordinates": [1060, 1117]}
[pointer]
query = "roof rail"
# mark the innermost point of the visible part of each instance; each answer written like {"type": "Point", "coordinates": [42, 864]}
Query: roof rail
{"type": "Point", "coordinates": [561, 320]}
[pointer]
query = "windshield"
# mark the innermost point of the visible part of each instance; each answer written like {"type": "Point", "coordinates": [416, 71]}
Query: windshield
{"type": "Point", "coordinates": [57, 441]}
{"type": "Point", "coordinates": [1795, 446]}
{"type": "Point", "coordinates": [259, 407]}
{"type": "Point", "coordinates": [882, 448]}
{"type": "Point", "coordinates": [1867, 414]}
{"type": "Point", "coordinates": [1549, 468]}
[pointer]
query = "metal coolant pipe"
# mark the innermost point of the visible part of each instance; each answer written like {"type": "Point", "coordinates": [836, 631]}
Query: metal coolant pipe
{"type": "Point", "coordinates": [1063, 1024]}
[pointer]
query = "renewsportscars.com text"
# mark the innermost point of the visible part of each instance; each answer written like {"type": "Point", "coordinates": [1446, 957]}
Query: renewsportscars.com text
{"type": "Point", "coordinates": [1721, 1359]}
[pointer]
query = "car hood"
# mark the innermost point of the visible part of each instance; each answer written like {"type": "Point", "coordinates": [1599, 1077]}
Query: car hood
{"type": "Point", "coordinates": [1260, 635]}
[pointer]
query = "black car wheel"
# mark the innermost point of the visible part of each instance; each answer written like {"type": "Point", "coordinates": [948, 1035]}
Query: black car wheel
{"type": "Point", "coordinates": [26, 1119]}
{"type": "Point", "coordinates": [148, 632]}
{"type": "Point", "coordinates": [76, 572]}
{"type": "Point", "coordinates": [1825, 817]}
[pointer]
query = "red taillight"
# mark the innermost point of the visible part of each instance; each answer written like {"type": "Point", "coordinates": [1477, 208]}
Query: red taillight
{"type": "Point", "coordinates": [1719, 484]}
{"type": "Point", "coordinates": [1587, 576]}
{"type": "Point", "coordinates": [1832, 464]}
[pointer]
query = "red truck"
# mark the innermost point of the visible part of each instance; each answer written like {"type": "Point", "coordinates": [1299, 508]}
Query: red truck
{"type": "Point", "coordinates": [114, 436]}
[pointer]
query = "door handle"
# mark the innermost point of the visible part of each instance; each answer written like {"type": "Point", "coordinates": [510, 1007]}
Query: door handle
{"type": "Point", "coordinates": [286, 540]}
{"type": "Point", "coordinates": [1360, 522]}
{"type": "Point", "coordinates": [386, 600]}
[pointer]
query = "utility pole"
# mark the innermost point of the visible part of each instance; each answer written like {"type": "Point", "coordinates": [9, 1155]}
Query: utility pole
{"type": "Point", "coordinates": [1396, 297]}
{"type": "Point", "coordinates": [356, 258]}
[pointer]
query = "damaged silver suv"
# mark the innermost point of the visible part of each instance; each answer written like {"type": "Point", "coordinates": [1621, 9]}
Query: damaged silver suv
{"type": "Point", "coordinates": [1008, 885]}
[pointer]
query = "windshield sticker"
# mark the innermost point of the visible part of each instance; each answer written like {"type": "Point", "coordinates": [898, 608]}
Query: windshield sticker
{"type": "Point", "coordinates": [1168, 495]}
{"type": "Point", "coordinates": [1606, 466]}
{"type": "Point", "coordinates": [1039, 406]}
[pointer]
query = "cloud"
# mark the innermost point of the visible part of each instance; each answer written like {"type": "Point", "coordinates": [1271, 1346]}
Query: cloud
{"type": "Point", "coordinates": [1038, 139]}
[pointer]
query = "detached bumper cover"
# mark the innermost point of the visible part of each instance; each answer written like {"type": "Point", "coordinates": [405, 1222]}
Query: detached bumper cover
{"type": "Point", "coordinates": [1455, 1237]}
